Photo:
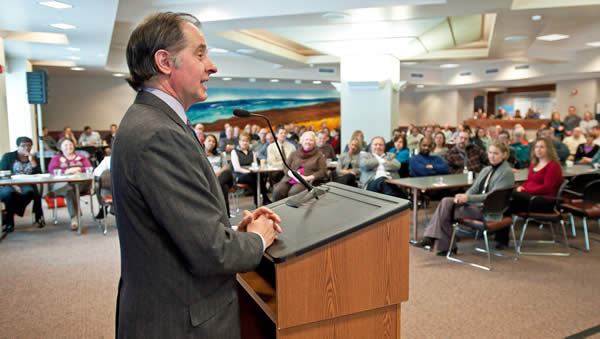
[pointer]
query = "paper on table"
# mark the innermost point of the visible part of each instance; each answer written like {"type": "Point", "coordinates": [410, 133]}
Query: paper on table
{"type": "Point", "coordinates": [440, 184]}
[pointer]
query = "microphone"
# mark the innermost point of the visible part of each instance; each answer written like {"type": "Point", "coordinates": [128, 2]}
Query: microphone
{"type": "Point", "coordinates": [242, 113]}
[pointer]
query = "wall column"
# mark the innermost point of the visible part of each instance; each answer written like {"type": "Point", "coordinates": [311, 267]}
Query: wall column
{"type": "Point", "coordinates": [21, 115]}
{"type": "Point", "coordinates": [4, 131]}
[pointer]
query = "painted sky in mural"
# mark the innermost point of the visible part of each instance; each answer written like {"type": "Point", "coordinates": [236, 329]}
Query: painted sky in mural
{"type": "Point", "coordinates": [222, 101]}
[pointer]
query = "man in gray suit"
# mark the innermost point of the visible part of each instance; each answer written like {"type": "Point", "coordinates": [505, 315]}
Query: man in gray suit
{"type": "Point", "coordinates": [179, 254]}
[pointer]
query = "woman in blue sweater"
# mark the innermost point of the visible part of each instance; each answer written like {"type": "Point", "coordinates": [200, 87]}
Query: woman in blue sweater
{"type": "Point", "coordinates": [402, 153]}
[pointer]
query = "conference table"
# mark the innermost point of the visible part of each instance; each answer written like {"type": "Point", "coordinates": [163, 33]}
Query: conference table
{"type": "Point", "coordinates": [441, 182]}
{"type": "Point", "coordinates": [45, 178]}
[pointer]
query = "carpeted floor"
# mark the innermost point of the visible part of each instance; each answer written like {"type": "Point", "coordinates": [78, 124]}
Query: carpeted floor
{"type": "Point", "coordinates": [56, 284]}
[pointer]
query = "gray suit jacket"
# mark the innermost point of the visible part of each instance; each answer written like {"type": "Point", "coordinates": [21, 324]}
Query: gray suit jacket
{"type": "Point", "coordinates": [502, 178]}
{"type": "Point", "coordinates": [179, 255]}
{"type": "Point", "coordinates": [369, 164]}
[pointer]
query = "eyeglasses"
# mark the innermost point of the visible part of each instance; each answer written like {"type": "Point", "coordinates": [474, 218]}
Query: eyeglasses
{"type": "Point", "coordinates": [25, 145]}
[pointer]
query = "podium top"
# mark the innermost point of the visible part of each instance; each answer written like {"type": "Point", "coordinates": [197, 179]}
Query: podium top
{"type": "Point", "coordinates": [339, 212]}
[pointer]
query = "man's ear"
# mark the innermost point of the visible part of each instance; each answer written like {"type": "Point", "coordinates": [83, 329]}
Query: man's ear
{"type": "Point", "coordinates": [164, 61]}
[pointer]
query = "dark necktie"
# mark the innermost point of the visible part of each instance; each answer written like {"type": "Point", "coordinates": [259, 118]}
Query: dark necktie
{"type": "Point", "coordinates": [189, 125]}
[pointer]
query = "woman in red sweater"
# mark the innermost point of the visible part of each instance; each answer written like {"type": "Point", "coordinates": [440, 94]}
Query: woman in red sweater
{"type": "Point", "coordinates": [544, 179]}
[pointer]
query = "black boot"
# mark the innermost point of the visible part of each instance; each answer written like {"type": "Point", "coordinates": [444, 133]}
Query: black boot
{"type": "Point", "coordinates": [426, 242]}
{"type": "Point", "coordinates": [100, 214]}
{"type": "Point", "coordinates": [445, 253]}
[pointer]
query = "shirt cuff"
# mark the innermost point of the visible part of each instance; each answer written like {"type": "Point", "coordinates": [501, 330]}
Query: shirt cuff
{"type": "Point", "coordinates": [261, 239]}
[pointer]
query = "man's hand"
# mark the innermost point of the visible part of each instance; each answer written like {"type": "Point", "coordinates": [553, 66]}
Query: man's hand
{"type": "Point", "coordinates": [17, 188]}
{"type": "Point", "coordinates": [229, 148]}
{"type": "Point", "coordinates": [520, 189]}
{"type": "Point", "coordinates": [263, 221]}
{"type": "Point", "coordinates": [429, 166]}
{"type": "Point", "coordinates": [460, 198]}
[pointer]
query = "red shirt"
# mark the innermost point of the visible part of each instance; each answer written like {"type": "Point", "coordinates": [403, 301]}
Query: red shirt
{"type": "Point", "coordinates": [545, 182]}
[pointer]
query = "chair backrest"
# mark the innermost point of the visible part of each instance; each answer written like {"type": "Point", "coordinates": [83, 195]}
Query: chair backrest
{"type": "Point", "coordinates": [497, 202]}
{"type": "Point", "coordinates": [579, 183]}
{"type": "Point", "coordinates": [559, 194]}
{"type": "Point", "coordinates": [104, 181]}
{"type": "Point", "coordinates": [591, 193]}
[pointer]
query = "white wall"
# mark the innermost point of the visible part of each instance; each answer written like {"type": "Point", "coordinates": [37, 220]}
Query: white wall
{"type": "Point", "coordinates": [22, 118]}
{"type": "Point", "coordinates": [77, 101]}
{"type": "Point", "coordinates": [585, 99]}
{"type": "Point", "coordinates": [4, 139]}
{"type": "Point", "coordinates": [407, 109]}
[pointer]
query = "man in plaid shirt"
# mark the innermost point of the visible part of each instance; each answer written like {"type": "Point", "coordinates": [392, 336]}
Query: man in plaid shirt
{"type": "Point", "coordinates": [464, 155]}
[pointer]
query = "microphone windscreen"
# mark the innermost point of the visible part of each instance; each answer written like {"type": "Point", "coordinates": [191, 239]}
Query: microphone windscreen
{"type": "Point", "coordinates": [242, 113]}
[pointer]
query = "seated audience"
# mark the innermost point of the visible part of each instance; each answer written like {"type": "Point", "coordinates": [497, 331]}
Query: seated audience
{"type": "Point", "coordinates": [497, 176]}
{"type": "Point", "coordinates": [308, 162]}
{"type": "Point", "coordinates": [323, 145]}
{"type": "Point", "coordinates": [254, 130]}
{"type": "Point", "coordinates": [517, 115]}
{"type": "Point", "coordinates": [335, 140]}
{"type": "Point", "coordinates": [424, 164]}
{"type": "Point", "coordinates": [110, 138]}
{"type": "Point", "coordinates": [504, 137]}
{"type": "Point", "coordinates": [199, 130]}
{"type": "Point", "coordinates": [561, 149]}
{"type": "Point", "coordinates": [557, 125]}
{"type": "Point", "coordinates": [571, 121]}
{"type": "Point", "coordinates": [236, 134]}
{"type": "Point", "coordinates": [464, 156]}
{"type": "Point", "coordinates": [348, 165]}
{"type": "Point", "coordinates": [413, 139]}
{"type": "Point", "coordinates": [480, 138]}
{"type": "Point", "coordinates": [262, 152]}
{"type": "Point", "coordinates": [521, 151]}
{"type": "Point", "coordinates": [573, 141]}
{"type": "Point", "coordinates": [229, 142]}
{"type": "Point", "coordinates": [273, 156]}
{"type": "Point", "coordinates": [243, 156]}
{"type": "Point", "coordinates": [17, 197]}
{"type": "Point", "coordinates": [402, 154]}
{"type": "Point", "coordinates": [358, 134]}
{"type": "Point", "coordinates": [544, 179]}
{"type": "Point", "coordinates": [376, 167]}
{"type": "Point", "coordinates": [223, 133]}
{"type": "Point", "coordinates": [454, 136]}
{"type": "Point", "coordinates": [89, 137]}
{"type": "Point", "coordinates": [447, 132]}
{"type": "Point", "coordinates": [68, 134]}
{"type": "Point", "coordinates": [588, 122]}
{"type": "Point", "coordinates": [586, 152]}
{"type": "Point", "coordinates": [390, 144]}
{"type": "Point", "coordinates": [49, 142]}
{"type": "Point", "coordinates": [219, 164]}
{"type": "Point", "coordinates": [104, 165]}
{"type": "Point", "coordinates": [596, 133]}
{"type": "Point", "coordinates": [439, 145]}
{"type": "Point", "coordinates": [260, 141]}
{"type": "Point", "coordinates": [69, 163]}
{"type": "Point", "coordinates": [531, 114]}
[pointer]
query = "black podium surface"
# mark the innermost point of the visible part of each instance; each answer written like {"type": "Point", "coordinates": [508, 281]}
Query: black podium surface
{"type": "Point", "coordinates": [340, 211]}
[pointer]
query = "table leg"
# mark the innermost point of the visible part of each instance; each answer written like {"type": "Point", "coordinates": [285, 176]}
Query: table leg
{"type": "Point", "coordinates": [78, 209]}
{"type": "Point", "coordinates": [415, 214]}
{"type": "Point", "coordinates": [258, 195]}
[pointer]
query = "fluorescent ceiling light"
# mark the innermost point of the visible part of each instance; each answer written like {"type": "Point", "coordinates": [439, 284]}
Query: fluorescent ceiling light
{"type": "Point", "coordinates": [449, 65]}
{"type": "Point", "coordinates": [515, 38]}
{"type": "Point", "coordinates": [317, 82]}
{"type": "Point", "coordinates": [118, 75]}
{"type": "Point", "coordinates": [77, 69]}
{"type": "Point", "coordinates": [245, 51]}
{"type": "Point", "coordinates": [297, 82]}
{"type": "Point", "coordinates": [334, 15]}
{"type": "Point", "coordinates": [55, 4]}
{"type": "Point", "coordinates": [277, 66]}
{"type": "Point", "coordinates": [252, 79]}
{"type": "Point", "coordinates": [553, 37]}
{"type": "Point", "coordinates": [274, 80]}
{"type": "Point", "coordinates": [409, 63]}
{"type": "Point", "coordinates": [536, 17]}
{"type": "Point", "coordinates": [73, 49]}
{"type": "Point", "coordinates": [593, 44]}
{"type": "Point", "coordinates": [226, 79]}
{"type": "Point", "coordinates": [72, 57]}
{"type": "Point", "coordinates": [217, 50]}
{"type": "Point", "coordinates": [63, 26]}
{"type": "Point", "coordinates": [420, 86]}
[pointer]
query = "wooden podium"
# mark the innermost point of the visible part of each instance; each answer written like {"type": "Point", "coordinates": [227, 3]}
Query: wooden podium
{"type": "Point", "coordinates": [338, 270]}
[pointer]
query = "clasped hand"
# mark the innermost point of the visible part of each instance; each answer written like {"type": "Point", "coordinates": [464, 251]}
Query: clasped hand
{"type": "Point", "coordinates": [263, 221]}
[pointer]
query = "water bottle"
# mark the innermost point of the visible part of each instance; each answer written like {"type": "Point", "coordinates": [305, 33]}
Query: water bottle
{"type": "Point", "coordinates": [465, 170]}
{"type": "Point", "coordinates": [470, 177]}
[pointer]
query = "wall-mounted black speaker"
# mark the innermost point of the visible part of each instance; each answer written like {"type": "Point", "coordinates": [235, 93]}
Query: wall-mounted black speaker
{"type": "Point", "coordinates": [37, 84]}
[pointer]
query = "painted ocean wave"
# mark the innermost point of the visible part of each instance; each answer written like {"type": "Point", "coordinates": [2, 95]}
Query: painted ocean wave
{"type": "Point", "coordinates": [208, 112]}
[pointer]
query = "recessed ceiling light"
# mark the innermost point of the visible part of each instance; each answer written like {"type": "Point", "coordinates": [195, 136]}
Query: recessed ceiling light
{"type": "Point", "coordinates": [274, 80]}
{"type": "Point", "coordinates": [515, 38]}
{"type": "Point", "coordinates": [553, 37]}
{"type": "Point", "coordinates": [409, 63]}
{"type": "Point", "coordinates": [77, 69]}
{"type": "Point", "coordinates": [226, 79]}
{"type": "Point", "coordinates": [55, 4]}
{"type": "Point", "coordinates": [420, 86]}
{"type": "Point", "coordinates": [449, 65]}
{"type": "Point", "coordinates": [317, 82]}
{"type": "Point", "coordinates": [245, 51]}
{"type": "Point", "coordinates": [118, 75]}
{"type": "Point", "coordinates": [63, 26]}
{"type": "Point", "coordinates": [72, 57]}
{"type": "Point", "coordinates": [297, 82]}
{"type": "Point", "coordinates": [252, 79]}
{"type": "Point", "coordinates": [593, 44]}
{"type": "Point", "coordinates": [73, 49]}
{"type": "Point", "coordinates": [277, 66]}
{"type": "Point", "coordinates": [217, 50]}
{"type": "Point", "coordinates": [334, 15]}
{"type": "Point", "coordinates": [536, 17]}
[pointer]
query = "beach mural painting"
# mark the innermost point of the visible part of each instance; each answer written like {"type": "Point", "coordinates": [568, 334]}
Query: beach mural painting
{"type": "Point", "coordinates": [280, 106]}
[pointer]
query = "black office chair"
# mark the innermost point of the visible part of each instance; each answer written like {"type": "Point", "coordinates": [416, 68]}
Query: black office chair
{"type": "Point", "coordinates": [495, 204]}
{"type": "Point", "coordinates": [587, 207]}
